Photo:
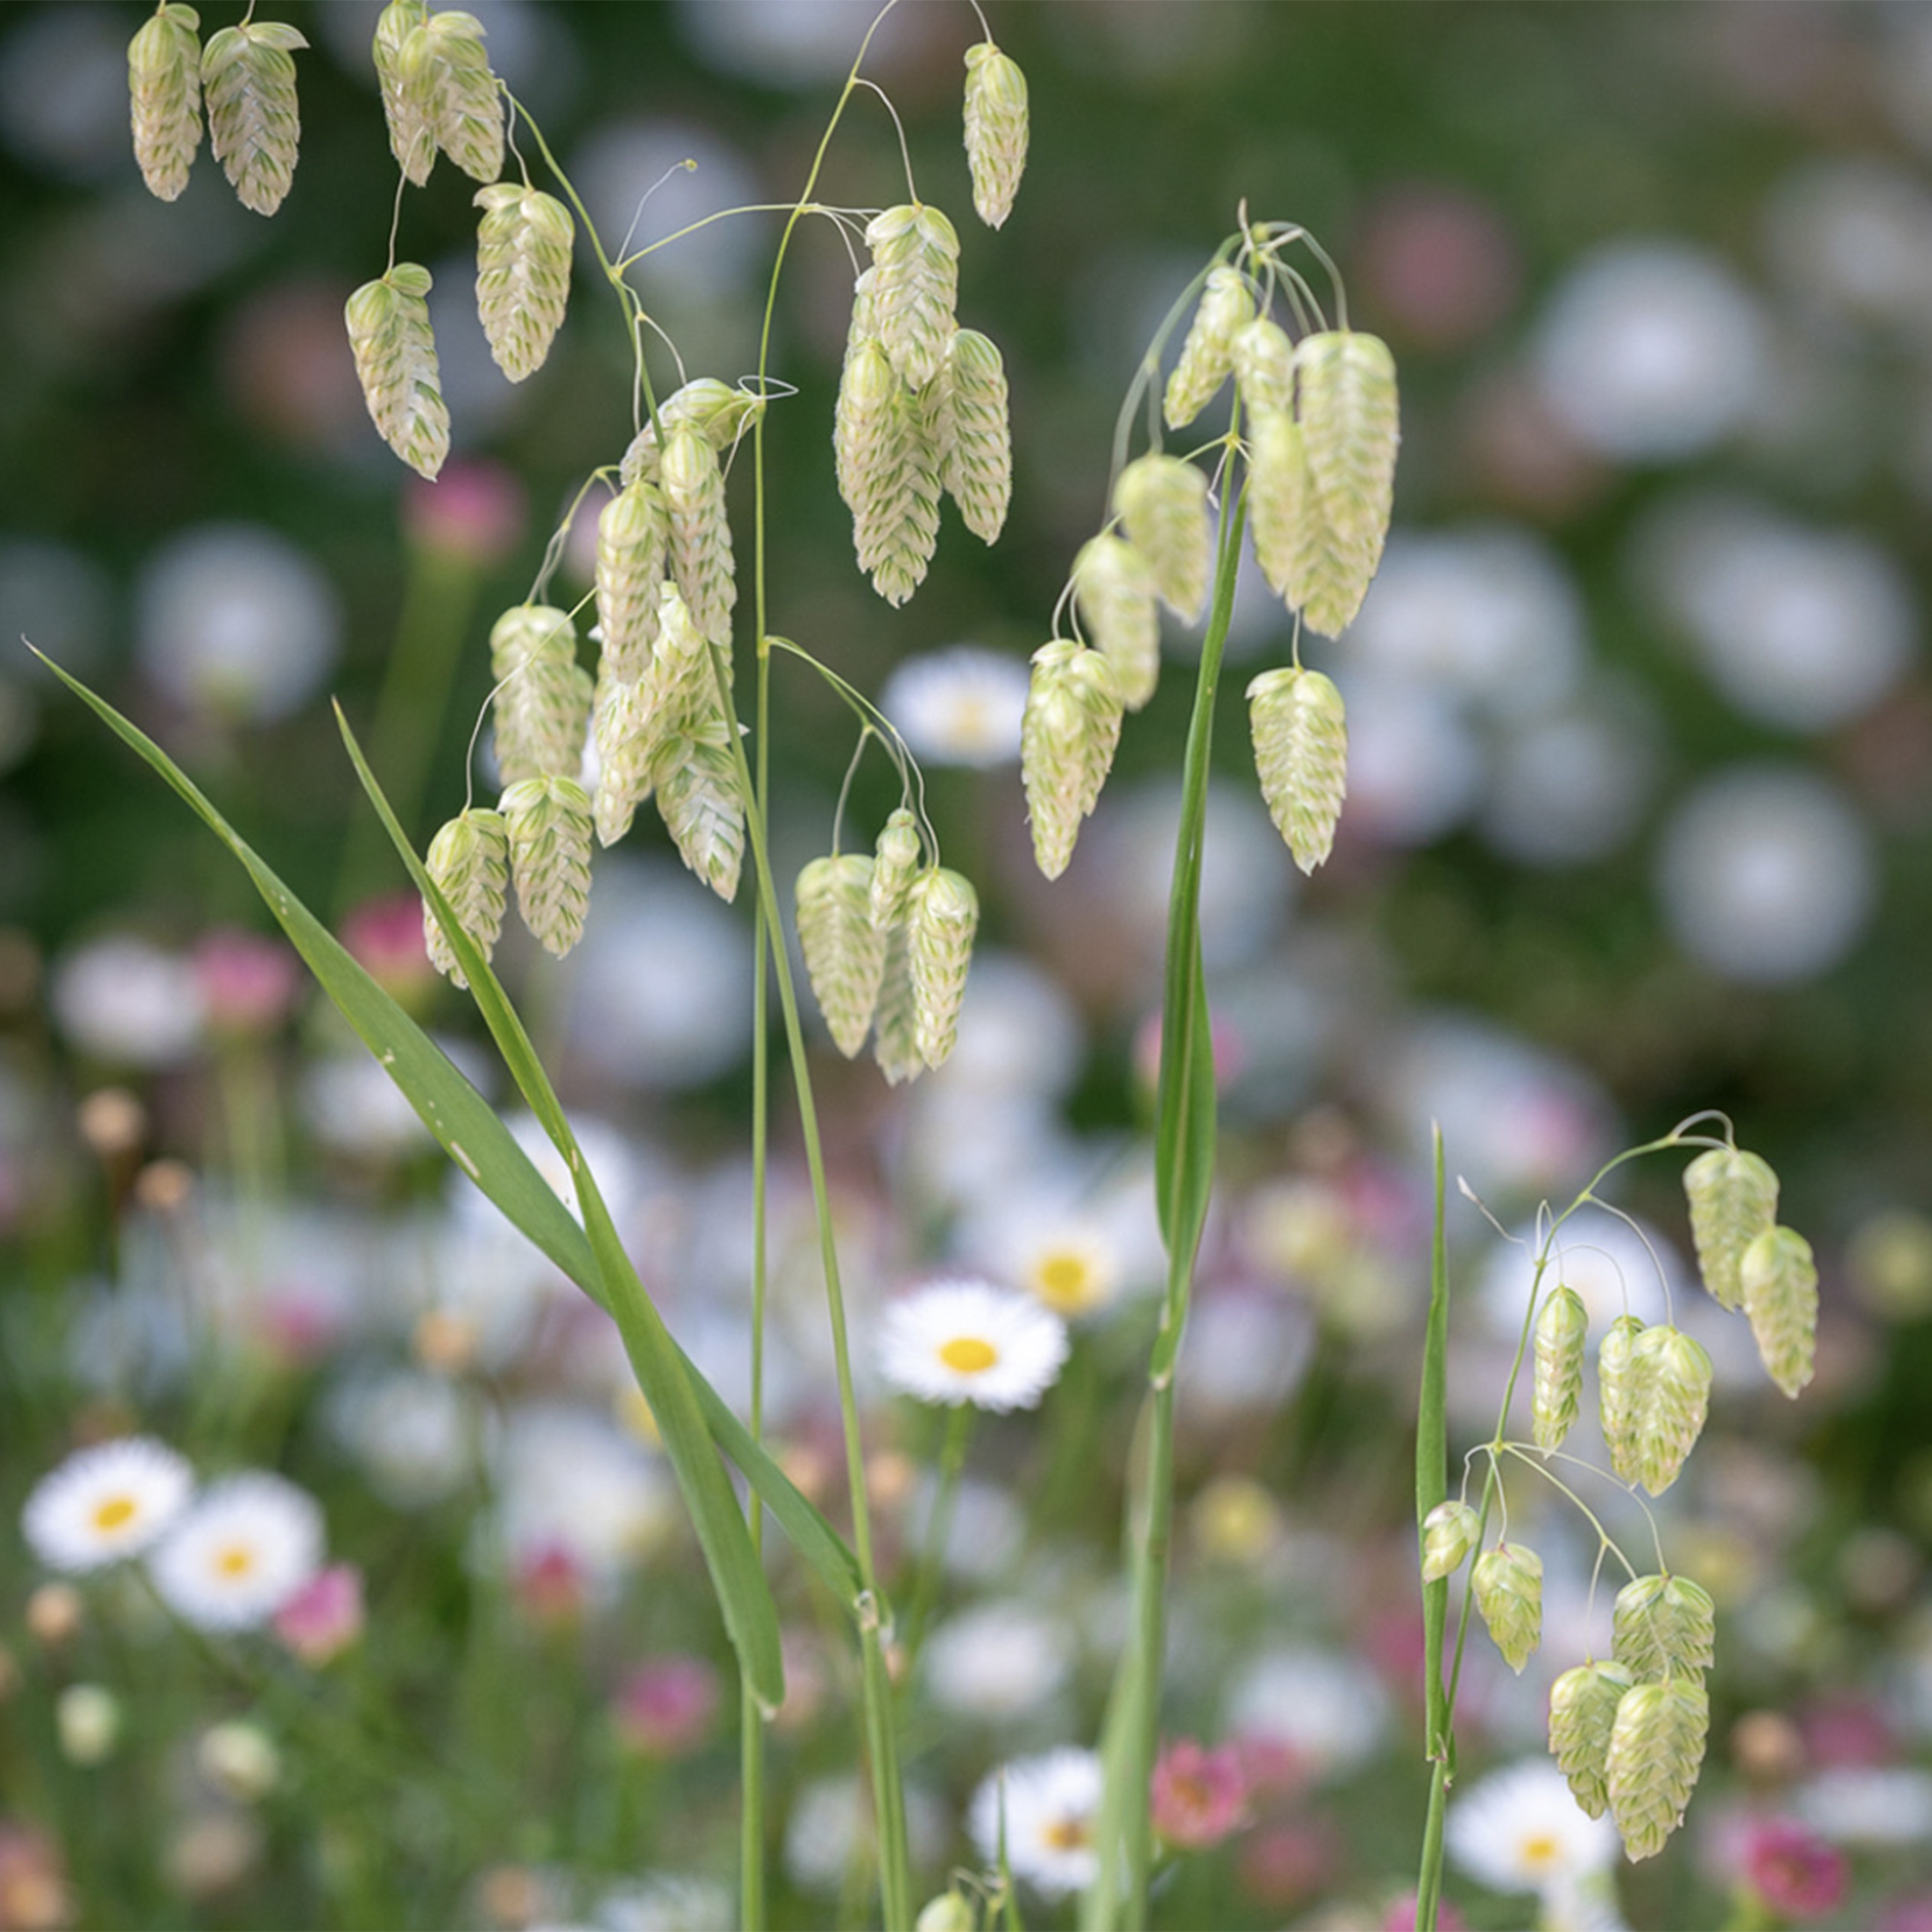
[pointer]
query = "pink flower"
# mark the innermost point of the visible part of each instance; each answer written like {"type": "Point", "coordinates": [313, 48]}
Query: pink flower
{"type": "Point", "coordinates": [1401, 1915]}
{"type": "Point", "coordinates": [1200, 1797]}
{"type": "Point", "coordinates": [325, 1616]}
{"type": "Point", "coordinates": [1909, 1913]}
{"type": "Point", "coordinates": [386, 935]}
{"type": "Point", "coordinates": [1284, 1864]}
{"type": "Point", "coordinates": [1793, 1870]}
{"type": "Point", "coordinates": [549, 1584]}
{"type": "Point", "coordinates": [246, 982]}
{"type": "Point", "coordinates": [665, 1707]}
{"type": "Point", "coordinates": [472, 513]}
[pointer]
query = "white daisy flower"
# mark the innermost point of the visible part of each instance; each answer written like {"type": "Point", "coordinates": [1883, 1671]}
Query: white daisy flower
{"type": "Point", "coordinates": [105, 1503]}
{"type": "Point", "coordinates": [1520, 1830]}
{"type": "Point", "coordinates": [1051, 1805]}
{"type": "Point", "coordinates": [968, 1340]}
{"type": "Point", "coordinates": [248, 1544]}
{"type": "Point", "coordinates": [959, 706]}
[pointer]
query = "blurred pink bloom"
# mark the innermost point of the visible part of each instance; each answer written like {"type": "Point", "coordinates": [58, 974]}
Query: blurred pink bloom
{"type": "Point", "coordinates": [325, 1616]}
{"type": "Point", "coordinates": [473, 512]}
{"type": "Point", "coordinates": [549, 1584]}
{"type": "Point", "coordinates": [386, 935]}
{"type": "Point", "coordinates": [1439, 264]}
{"type": "Point", "coordinates": [1846, 1730]}
{"type": "Point", "coordinates": [1401, 1915]}
{"type": "Point", "coordinates": [1284, 1864]}
{"type": "Point", "coordinates": [1911, 1913]}
{"type": "Point", "coordinates": [1230, 1051]}
{"type": "Point", "coordinates": [246, 982]}
{"type": "Point", "coordinates": [665, 1707]}
{"type": "Point", "coordinates": [34, 1895]}
{"type": "Point", "coordinates": [1200, 1795]}
{"type": "Point", "coordinates": [1269, 1766]}
{"type": "Point", "coordinates": [1793, 1870]}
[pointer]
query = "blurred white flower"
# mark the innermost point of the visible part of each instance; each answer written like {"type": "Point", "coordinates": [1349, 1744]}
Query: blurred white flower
{"type": "Point", "coordinates": [1851, 237]}
{"type": "Point", "coordinates": [1045, 1809]}
{"type": "Point", "coordinates": [832, 1819]}
{"type": "Point", "coordinates": [1798, 627]}
{"type": "Point", "coordinates": [1766, 874]}
{"type": "Point", "coordinates": [997, 1661]}
{"type": "Point", "coordinates": [665, 1902]}
{"type": "Point", "coordinates": [1873, 1806]}
{"type": "Point", "coordinates": [1416, 766]}
{"type": "Point", "coordinates": [1324, 1707]}
{"type": "Point", "coordinates": [412, 1433]}
{"type": "Point", "coordinates": [351, 1105]}
{"type": "Point", "coordinates": [105, 1502]}
{"type": "Point", "coordinates": [1243, 1352]}
{"type": "Point", "coordinates": [1520, 1830]}
{"type": "Point", "coordinates": [126, 1000]}
{"type": "Point", "coordinates": [247, 1544]}
{"type": "Point", "coordinates": [987, 1532]}
{"type": "Point", "coordinates": [958, 706]}
{"type": "Point", "coordinates": [236, 622]}
{"type": "Point", "coordinates": [1651, 350]}
{"type": "Point", "coordinates": [1568, 787]}
{"type": "Point", "coordinates": [954, 1342]}
{"type": "Point", "coordinates": [1019, 1033]}
{"type": "Point", "coordinates": [798, 43]}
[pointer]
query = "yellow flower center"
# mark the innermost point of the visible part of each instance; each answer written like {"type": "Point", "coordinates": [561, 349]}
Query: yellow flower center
{"type": "Point", "coordinates": [114, 1513]}
{"type": "Point", "coordinates": [1540, 1850]}
{"type": "Point", "coordinates": [968, 1354]}
{"type": "Point", "coordinates": [236, 1561]}
{"type": "Point", "coordinates": [1066, 1280]}
{"type": "Point", "coordinates": [1068, 1834]}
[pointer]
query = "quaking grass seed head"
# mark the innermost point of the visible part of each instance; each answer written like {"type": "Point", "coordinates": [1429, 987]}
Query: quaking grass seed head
{"type": "Point", "coordinates": [1508, 1585]}
{"type": "Point", "coordinates": [1162, 502]}
{"type": "Point", "coordinates": [1616, 1394]}
{"type": "Point", "coordinates": [996, 130]}
{"type": "Point", "coordinates": [1302, 756]}
{"type": "Point", "coordinates": [164, 97]}
{"type": "Point", "coordinates": [1562, 1326]}
{"type": "Point", "coordinates": [1657, 1748]}
{"type": "Point", "coordinates": [942, 917]}
{"type": "Point", "coordinates": [1263, 362]}
{"type": "Point", "coordinates": [915, 287]}
{"type": "Point", "coordinates": [1207, 356]}
{"type": "Point", "coordinates": [1665, 1625]}
{"type": "Point", "coordinates": [844, 951]}
{"type": "Point", "coordinates": [1350, 431]}
{"type": "Point", "coordinates": [549, 822]}
{"type": "Point", "coordinates": [701, 806]}
{"type": "Point", "coordinates": [390, 339]}
{"type": "Point", "coordinates": [895, 857]}
{"type": "Point", "coordinates": [444, 60]}
{"type": "Point", "coordinates": [1449, 1532]}
{"type": "Point", "coordinates": [1069, 732]}
{"type": "Point", "coordinates": [1780, 1294]}
{"type": "Point", "coordinates": [1671, 1374]}
{"type": "Point", "coordinates": [1733, 1199]}
{"type": "Point", "coordinates": [523, 274]}
{"type": "Point", "coordinates": [1582, 1717]}
{"type": "Point", "coordinates": [632, 537]}
{"type": "Point", "coordinates": [469, 860]}
{"type": "Point", "coordinates": [700, 531]}
{"type": "Point", "coordinates": [1113, 590]}
{"type": "Point", "coordinates": [248, 86]}
{"type": "Point", "coordinates": [977, 457]}
{"type": "Point", "coordinates": [407, 106]}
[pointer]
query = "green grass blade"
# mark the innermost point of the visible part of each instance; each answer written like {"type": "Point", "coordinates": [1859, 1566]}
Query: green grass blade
{"type": "Point", "coordinates": [1432, 1487]}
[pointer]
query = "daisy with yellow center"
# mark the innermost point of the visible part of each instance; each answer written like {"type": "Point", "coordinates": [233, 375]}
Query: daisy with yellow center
{"type": "Point", "coordinates": [106, 1504]}
{"type": "Point", "coordinates": [1049, 1807]}
{"type": "Point", "coordinates": [1520, 1830]}
{"type": "Point", "coordinates": [245, 1548]}
{"type": "Point", "coordinates": [957, 1342]}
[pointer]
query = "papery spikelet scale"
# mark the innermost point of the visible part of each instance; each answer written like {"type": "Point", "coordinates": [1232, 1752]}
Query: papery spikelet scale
{"type": "Point", "coordinates": [1733, 1199]}
{"type": "Point", "coordinates": [702, 810]}
{"type": "Point", "coordinates": [164, 97]}
{"type": "Point", "coordinates": [1348, 429]}
{"type": "Point", "coordinates": [1264, 359]}
{"type": "Point", "coordinates": [395, 359]}
{"type": "Point", "coordinates": [1163, 505]}
{"type": "Point", "coordinates": [996, 130]}
{"type": "Point", "coordinates": [621, 726]}
{"type": "Point", "coordinates": [895, 857]}
{"type": "Point", "coordinates": [249, 85]}
{"type": "Point", "coordinates": [445, 61]}
{"type": "Point", "coordinates": [976, 459]}
{"type": "Point", "coordinates": [720, 412]}
{"type": "Point", "coordinates": [896, 1017]}
{"type": "Point", "coordinates": [1616, 1394]}
{"type": "Point", "coordinates": [542, 702]}
{"type": "Point", "coordinates": [1449, 1532]}
{"type": "Point", "coordinates": [844, 951]}
{"type": "Point", "coordinates": [1562, 1325]}
{"type": "Point", "coordinates": [701, 532]}
{"type": "Point", "coordinates": [1301, 754]}
{"type": "Point", "coordinates": [1582, 1717]}
{"type": "Point", "coordinates": [1780, 1289]}
{"type": "Point", "coordinates": [1207, 356]}
{"type": "Point", "coordinates": [942, 916]}
{"type": "Point", "coordinates": [1672, 1378]}
{"type": "Point", "coordinates": [1113, 589]}
{"type": "Point", "coordinates": [523, 274]}
{"type": "Point", "coordinates": [549, 820]}
{"type": "Point", "coordinates": [632, 537]}
{"type": "Point", "coordinates": [1657, 1746]}
{"type": "Point", "coordinates": [408, 105]}
{"type": "Point", "coordinates": [915, 287]}
{"type": "Point", "coordinates": [468, 859]}
{"type": "Point", "coordinates": [1508, 1585]}
{"type": "Point", "coordinates": [1664, 1627]}
{"type": "Point", "coordinates": [1069, 732]}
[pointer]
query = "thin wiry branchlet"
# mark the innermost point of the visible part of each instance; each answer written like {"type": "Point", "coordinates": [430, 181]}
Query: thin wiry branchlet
{"type": "Point", "coordinates": [1582, 1715]}
{"type": "Point", "coordinates": [1113, 592]}
{"type": "Point", "coordinates": [1206, 353]}
{"type": "Point", "coordinates": [1301, 755]}
{"type": "Point", "coordinates": [164, 97]}
{"type": "Point", "coordinates": [1618, 1393]}
{"type": "Point", "coordinates": [942, 916]}
{"type": "Point", "coordinates": [1350, 431]}
{"type": "Point", "coordinates": [395, 359]}
{"type": "Point", "coordinates": [470, 862]}
{"type": "Point", "coordinates": [1449, 1532]}
{"type": "Point", "coordinates": [1264, 359]}
{"type": "Point", "coordinates": [701, 532]}
{"type": "Point", "coordinates": [523, 274]}
{"type": "Point", "coordinates": [543, 696]}
{"type": "Point", "coordinates": [1508, 1585]}
{"type": "Point", "coordinates": [896, 1016]}
{"type": "Point", "coordinates": [977, 454]}
{"type": "Point", "coordinates": [844, 951]}
{"type": "Point", "coordinates": [703, 812]}
{"type": "Point", "coordinates": [996, 130]}
{"type": "Point", "coordinates": [1562, 1325]}
{"type": "Point", "coordinates": [1670, 1375]}
{"type": "Point", "coordinates": [915, 288]}
{"type": "Point", "coordinates": [549, 820]}
{"type": "Point", "coordinates": [1664, 1627]}
{"type": "Point", "coordinates": [446, 62]}
{"type": "Point", "coordinates": [632, 538]}
{"type": "Point", "coordinates": [1780, 1288]}
{"type": "Point", "coordinates": [409, 111]}
{"type": "Point", "coordinates": [1069, 732]}
{"type": "Point", "coordinates": [1733, 1199]}
{"type": "Point", "coordinates": [1657, 1746]}
{"type": "Point", "coordinates": [721, 413]}
{"type": "Point", "coordinates": [249, 84]}
{"type": "Point", "coordinates": [895, 856]}
{"type": "Point", "coordinates": [1162, 502]}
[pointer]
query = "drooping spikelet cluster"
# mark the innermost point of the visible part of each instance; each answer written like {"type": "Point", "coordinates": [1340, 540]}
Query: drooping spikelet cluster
{"type": "Point", "coordinates": [887, 944]}
{"type": "Point", "coordinates": [1629, 1733]}
{"type": "Point", "coordinates": [1318, 435]}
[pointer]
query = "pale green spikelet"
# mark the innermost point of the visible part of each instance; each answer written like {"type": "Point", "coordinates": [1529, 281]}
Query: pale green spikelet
{"type": "Point", "coordinates": [682, 689]}
{"type": "Point", "coordinates": [1163, 505]}
{"type": "Point", "coordinates": [470, 862]}
{"type": "Point", "coordinates": [895, 856]}
{"type": "Point", "coordinates": [718, 413]}
{"type": "Point", "coordinates": [1561, 1327]}
{"type": "Point", "coordinates": [1582, 1717]}
{"type": "Point", "coordinates": [632, 537]}
{"type": "Point", "coordinates": [407, 108]}
{"type": "Point", "coordinates": [1656, 1747]}
{"type": "Point", "coordinates": [1264, 359]}
{"type": "Point", "coordinates": [1617, 1394]}
{"type": "Point", "coordinates": [621, 726]}
{"type": "Point", "coordinates": [542, 701]}
{"type": "Point", "coordinates": [702, 812]}
{"type": "Point", "coordinates": [249, 85]}
{"type": "Point", "coordinates": [977, 457]}
{"type": "Point", "coordinates": [1301, 753]}
{"type": "Point", "coordinates": [896, 1017]}
{"type": "Point", "coordinates": [1068, 731]}
{"type": "Point", "coordinates": [446, 62]}
{"type": "Point", "coordinates": [701, 532]}
{"type": "Point", "coordinates": [844, 951]}
{"type": "Point", "coordinates": [523, 274]}
{"type": "Point", "coordinates": [1300, 554]}
{"type": "Point", "coordinates": [395, 358]}
{"type": "Point", "coordinates": [1207, 356]}
{"type": "Point", "coordinates": [888, 473]}
{"type": "Point", "coordinates": [1508, 1583]}
{"type": "Point", "coordinates": [1671, 1377]}
{"type": "Point", "coordinates": [942, 916]}
{"type": "Point", "coordinates": [948, 1911]}
{"type": "Point", "coordinates": [549, 822]}
{"type": "Point", "coordinates": [1350, 431]}
{"type": "Point", "coordinates": [164, 97]}
{"type": "Point", "coordinates": [996, 130]}
{"type": "Point", "coordinates": [1733, 1199]}
{"type": "Point", "coordinates": [1113, 589]}
{"type": "Point", "coordinates": [915, 287]}
{"type": "Point", "coordinates": [1449, 1532]}
{"type": "Point", "coordinates": [1664, 1627]}
{"type": "Point", "coordinates": [1781, 1286]}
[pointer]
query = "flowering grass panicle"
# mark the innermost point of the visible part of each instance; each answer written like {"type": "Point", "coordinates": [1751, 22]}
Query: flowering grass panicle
{"type": "Point", "coordinates": [717, 411]}
{"type": "Point", "coordinates": [523, 274]}
{"type": "Point", "coordinates": [248, 83]}
{"type": "Point", "coordinates": [1207, 356]}
{"type": "Point", "coordinates": [844, 951]}
{"type": "Point", "coordinates": [1780, 1296]}
{"type": "Point", "coordinates": [1657, 1746]}
{"type": "Point", "coordinates": [542, 701]}
{"type": "Point", "coordinates": [1348, 426]}
{"type": "Point", "coordinates": [622, 730]}
{"type": "Point", "coordinates": [1562, 1326]}
{"type": "Point", "coordinates": [1067, 735]}
{"type": "Point", "coordinates": [1162, 502]}
{"type": "Point", "coordinates": [1508, 1583]}
{"type": "Point", "coordinates": [996, 130]}
{"type": "Point", "coordinates": [1582, 1715]}
{"type": "Point", "coordinates": [1733, 1198]}
{"type": "Point", "coordinates": [549, 822]}
{"type": "Point", "coordinates": [1113, 592]}
{"type": "Point", "coordinates": [470, 862]}
{"type": "Point", "coordinates": [1301, 754]}
{"type": "Point", "coordinates": [888, 471]}
{"type": "Point", "coordinates": [942, 917]}
{"type": "Point", "coordinates": [1617, 1391]}
{"type": "Point", "coordinates": [395, 360]}
{"type": "Point", "coordinates": [445, 63]}
{"type": "Point", "coordinates": [164, 94]}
